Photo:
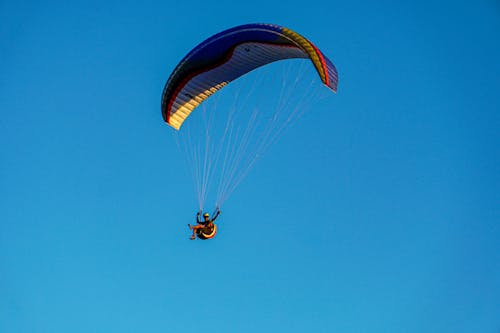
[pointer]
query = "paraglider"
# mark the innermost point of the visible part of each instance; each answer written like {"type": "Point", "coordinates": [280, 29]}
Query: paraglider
{"type": "Point", "coordinates": [230, 54]}
{"type": "Point", "coordinates": [206, 228]}
{"type": "Point", "coordinates": [220, 158]}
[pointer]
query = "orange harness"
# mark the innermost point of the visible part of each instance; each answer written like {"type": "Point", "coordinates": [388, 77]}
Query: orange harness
{"type": "Point", "coordinates": [207, 232]}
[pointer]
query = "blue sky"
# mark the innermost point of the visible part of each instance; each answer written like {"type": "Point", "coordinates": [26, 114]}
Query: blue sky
{"type": "Point", "coordinates": [378, 212]}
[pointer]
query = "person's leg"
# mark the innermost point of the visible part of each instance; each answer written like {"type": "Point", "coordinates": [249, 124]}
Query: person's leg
{"type": "Point", "coordinates": [195, 229]}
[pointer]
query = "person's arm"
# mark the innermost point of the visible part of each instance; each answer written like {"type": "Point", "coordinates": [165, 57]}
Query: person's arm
{"type": "Point", "coordinates": [198, 217]}
{"type": "Point", "coordinates": [217, 212]}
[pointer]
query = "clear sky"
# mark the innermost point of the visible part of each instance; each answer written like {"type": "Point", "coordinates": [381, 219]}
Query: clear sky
{"type": "Point", "coordinates": [379, 212]}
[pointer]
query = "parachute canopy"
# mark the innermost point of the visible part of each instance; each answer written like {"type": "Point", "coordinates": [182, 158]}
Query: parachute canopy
{"type": "Point", "coordinates": [230, 54]}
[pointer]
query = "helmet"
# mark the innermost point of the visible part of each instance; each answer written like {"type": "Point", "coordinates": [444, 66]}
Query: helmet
{"type": "Point", "coordinates": [206, 215]}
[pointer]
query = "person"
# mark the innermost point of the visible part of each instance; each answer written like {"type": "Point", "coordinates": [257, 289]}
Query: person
{"type": "Point", "coordinates": [205, 228]}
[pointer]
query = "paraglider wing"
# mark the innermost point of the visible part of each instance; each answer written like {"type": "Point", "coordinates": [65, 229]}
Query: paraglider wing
{"type": "Point", "coordinates": [230, 54]}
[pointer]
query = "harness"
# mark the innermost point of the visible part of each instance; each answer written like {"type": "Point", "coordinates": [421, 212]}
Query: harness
{"type": "Point", "coordinates": [207, 232]}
